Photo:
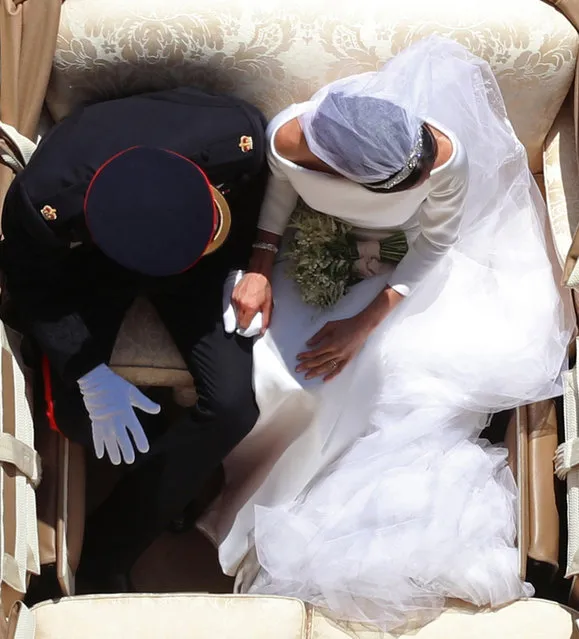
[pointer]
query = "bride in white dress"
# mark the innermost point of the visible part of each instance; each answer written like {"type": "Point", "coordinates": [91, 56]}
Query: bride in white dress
{"type": "Point", "coordinates": [364, 487]}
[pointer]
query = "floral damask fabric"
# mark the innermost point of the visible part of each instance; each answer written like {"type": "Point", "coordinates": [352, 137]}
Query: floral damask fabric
{"type": "Point", "coordinates": [274, 53]}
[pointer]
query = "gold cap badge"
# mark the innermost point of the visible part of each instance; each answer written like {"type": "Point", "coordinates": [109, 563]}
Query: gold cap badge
{"type": "Point", "coordinates": [246, 143]}
{"type": "Point", "coordinates": [48, 213]}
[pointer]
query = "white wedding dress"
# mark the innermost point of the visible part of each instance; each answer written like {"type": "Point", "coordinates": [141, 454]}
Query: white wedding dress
{"type": "Point", "coordinates": [372, 495]}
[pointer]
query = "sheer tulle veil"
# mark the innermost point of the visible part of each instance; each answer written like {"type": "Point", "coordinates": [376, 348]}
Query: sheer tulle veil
{"type": "Point", "coordinates": [416, 509]}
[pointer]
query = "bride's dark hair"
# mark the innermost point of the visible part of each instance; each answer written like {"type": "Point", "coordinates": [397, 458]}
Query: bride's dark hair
{"type": "Point", "coordinates": [425, 164]}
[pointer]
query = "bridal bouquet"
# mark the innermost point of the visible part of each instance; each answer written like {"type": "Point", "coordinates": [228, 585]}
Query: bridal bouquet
{"type": "Point", "coordinates": [326, 259]}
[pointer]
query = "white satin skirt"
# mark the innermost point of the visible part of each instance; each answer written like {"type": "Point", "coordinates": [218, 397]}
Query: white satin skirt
{"type": "Point", "coordinates": [372, 495]}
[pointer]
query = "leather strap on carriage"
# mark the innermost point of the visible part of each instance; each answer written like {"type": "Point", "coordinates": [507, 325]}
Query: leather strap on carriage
{"type": "Point", "coordinates": [567, 466]}
{"type": "Point", "coordinates": [15, 148]}
{"type": "Point", "coordinates": [24, 458]}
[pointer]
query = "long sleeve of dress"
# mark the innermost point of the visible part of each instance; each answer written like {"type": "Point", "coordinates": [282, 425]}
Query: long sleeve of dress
{"type": "Point", "coordinates": [278, 204]}
{"type": "Point", "coordinates": [439, 220]}
{"type": "Point", "coordinates": [280, 197]}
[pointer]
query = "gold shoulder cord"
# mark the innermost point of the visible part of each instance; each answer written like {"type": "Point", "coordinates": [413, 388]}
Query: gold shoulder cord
{"type": "Point", "coordinates": [224, 222]}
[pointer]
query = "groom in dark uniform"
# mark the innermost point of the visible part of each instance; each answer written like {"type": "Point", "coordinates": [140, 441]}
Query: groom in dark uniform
{"type": "Point", "coordinates": [157, 195]}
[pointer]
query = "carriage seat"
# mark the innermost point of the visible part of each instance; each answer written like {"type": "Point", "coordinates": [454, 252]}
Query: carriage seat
{"type": "Point", "coordinates": [273, 53]}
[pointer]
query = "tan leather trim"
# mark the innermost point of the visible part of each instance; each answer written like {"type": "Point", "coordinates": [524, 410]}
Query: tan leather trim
{"type": "Point", "coordinates": [11, 622]}
{"type": "Point", "coordinates": [47, 445]}
{"type": "Point", "coordinates": [519, 423]}
{"type": "Point", "coordinates": [70, 513]}
{"type": "Point", "coordinates": [569, 8]}
{"type": "Point", "coordinates": [574, 594]}
{"type": "Point", "coordinates": [543, 514]}
{"type": "Point", "coordinates": [60, 502]}
{"type": "Point", "coordinates": [28, 32]}
{"type": "Point", "coordinates": [7, 623]}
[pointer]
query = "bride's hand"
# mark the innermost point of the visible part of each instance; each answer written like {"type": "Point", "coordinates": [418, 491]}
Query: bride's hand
{"type": "Point", "coordinates": [252, 295]}
{"type": "Point", "coordinates": [333, 347]}
{"type": "Point", "coordinates": [338, 342]}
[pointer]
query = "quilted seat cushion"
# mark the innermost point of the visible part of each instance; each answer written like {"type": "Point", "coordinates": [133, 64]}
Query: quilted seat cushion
{"type": "Point", "coordinates": [144, 352]}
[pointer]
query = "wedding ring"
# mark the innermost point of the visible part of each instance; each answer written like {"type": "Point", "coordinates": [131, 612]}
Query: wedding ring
{"type": "Point", "coordinates": [334, 363]}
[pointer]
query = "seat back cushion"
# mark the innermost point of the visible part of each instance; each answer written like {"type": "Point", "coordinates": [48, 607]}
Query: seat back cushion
{"type": "Point", "coordinates": [275, 52]}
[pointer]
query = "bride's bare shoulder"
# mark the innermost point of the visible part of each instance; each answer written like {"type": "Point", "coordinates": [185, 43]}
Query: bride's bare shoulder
{"type": "Point", "coordinates": [445, 148]}
{"type": "Point", "coordinates": [286, 140]}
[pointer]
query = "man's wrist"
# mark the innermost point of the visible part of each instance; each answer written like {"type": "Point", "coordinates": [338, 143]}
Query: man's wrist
{"type": "Point", "coordinates": [261, 260]}
{"type": "Point", "coordinates": [94, 375]}
{"type": "Point", "coordinates": [264, 252]}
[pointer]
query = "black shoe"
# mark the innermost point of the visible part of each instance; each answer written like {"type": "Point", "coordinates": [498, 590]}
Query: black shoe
{"type": "Point", "coordinates": [187, 519]}
{"type": "Point", "coordinates": [103, 583]}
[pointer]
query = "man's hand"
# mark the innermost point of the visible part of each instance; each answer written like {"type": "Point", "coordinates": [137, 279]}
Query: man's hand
{"type": "Point", "coordinates": [230, 323]}
{"type": "Point", "coordinates": [109, 401]}
{"type": "Point", "coordinates": [253, 295]}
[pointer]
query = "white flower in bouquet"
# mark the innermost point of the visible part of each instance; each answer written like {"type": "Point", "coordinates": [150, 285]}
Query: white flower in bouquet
{"type": "Point", "coordinates": [323, 253]}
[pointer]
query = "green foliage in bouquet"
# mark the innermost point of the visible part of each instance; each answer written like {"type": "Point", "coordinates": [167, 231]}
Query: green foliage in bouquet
{"type": "Point", "coordinates": [322, 256]}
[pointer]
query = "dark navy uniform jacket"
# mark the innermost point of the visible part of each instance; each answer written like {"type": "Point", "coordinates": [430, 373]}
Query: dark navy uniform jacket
{"type": "Point", "coordinates": [48, 258]}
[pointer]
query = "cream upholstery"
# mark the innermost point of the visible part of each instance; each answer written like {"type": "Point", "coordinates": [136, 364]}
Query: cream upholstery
{"type": "Point", "coordinates": [272, 53]}
{"type": "Point", "coordinates": [245, 617]}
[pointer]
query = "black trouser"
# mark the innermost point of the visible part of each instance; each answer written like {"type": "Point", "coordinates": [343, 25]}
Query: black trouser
{"type": "Point", "coordinates": [182, 457]}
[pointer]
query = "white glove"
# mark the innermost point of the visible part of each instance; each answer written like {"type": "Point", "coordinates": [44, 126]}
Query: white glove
{"type": "Point", "coordinates": [229, 316]}
{"type": "Point", "coordinates": [109, 400]}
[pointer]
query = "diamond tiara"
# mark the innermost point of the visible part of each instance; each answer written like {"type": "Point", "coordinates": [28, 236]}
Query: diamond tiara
{"type": "Point", "coordinates": [406, 170]}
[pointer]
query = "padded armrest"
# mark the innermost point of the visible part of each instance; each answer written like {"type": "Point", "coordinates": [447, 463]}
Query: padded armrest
{"type": "Point", "coordinates": [561, 175]}
{"type": "Point", "coordinates": [253, 617]}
